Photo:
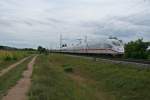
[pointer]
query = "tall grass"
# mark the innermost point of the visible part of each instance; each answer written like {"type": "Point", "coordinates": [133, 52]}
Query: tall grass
{"type": "Point", "coordinates": [11, 55]}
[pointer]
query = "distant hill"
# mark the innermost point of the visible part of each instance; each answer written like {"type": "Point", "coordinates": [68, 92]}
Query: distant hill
{"type": "Point", "coordinates": [13, 48]}
{"type": "Point", "coordinates": [7, 48]}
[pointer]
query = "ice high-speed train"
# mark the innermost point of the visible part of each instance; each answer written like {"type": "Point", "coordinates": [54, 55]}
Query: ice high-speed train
{"type": "Point", "coordinates": [109, 46]}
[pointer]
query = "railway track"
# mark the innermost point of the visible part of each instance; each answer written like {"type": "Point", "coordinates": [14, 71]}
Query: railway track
{"type": "Point", "coordinates": [129, 61]}
{"type": "Point", "coordinates": [136, 61]}
{"type": "Point", "coordinates": [116, 59]}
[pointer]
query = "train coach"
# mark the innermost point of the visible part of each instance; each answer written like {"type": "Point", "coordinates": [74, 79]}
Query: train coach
{"type": "Point", "coordinates": [111, 46]}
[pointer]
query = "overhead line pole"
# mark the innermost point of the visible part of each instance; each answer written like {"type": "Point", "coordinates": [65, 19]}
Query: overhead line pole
{"type": "Point", "coordinates": [86, 43]}
{"type": "Point", "coordinates": [60, 41]}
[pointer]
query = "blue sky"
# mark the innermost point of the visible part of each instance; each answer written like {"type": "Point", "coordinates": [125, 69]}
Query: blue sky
{"type": "Point", "coordinates": [29, 23]}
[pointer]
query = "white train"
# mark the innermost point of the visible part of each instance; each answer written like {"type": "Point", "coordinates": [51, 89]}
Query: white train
{"type": "Point", "coordinates": [110, 46]}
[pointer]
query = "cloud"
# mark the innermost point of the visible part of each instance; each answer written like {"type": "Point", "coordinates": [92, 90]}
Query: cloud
{"type": "Point", "coordinates": [40, 22]}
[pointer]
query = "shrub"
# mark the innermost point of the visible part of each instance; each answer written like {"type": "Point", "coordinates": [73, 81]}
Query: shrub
{"type": "Point", "coordinates": [136, 49]}
{"type": "Point", "coordinates": [149, 57]}
{"type": "Point", "coordinates": [8, 58]}
{"type": "Point", "coordinates": [68, 68]}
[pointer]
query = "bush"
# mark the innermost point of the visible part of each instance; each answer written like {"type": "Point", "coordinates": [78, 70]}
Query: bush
{"type": "Point", "coordinates": [149, 57]}
{"type": "Point", "coordinates": [68, 68]}
{"type": "Point", "coordinates": [14, 58]}
{"type": "Point", "coordinates": [8, 58]}
{"type": "Point", "coordinates": [136, 49]}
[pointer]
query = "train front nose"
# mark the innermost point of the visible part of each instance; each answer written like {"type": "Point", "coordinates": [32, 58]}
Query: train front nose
{"type": "Point", "coordinates": [121, 49]}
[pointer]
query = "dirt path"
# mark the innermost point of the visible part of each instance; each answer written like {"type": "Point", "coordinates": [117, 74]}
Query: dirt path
{"type": "Point", "coordinates": [4, 71]}
{"type": "Point", "coordinates": [19, 91]}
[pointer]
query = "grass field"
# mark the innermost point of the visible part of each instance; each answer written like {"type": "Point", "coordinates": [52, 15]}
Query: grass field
{"type": "Point", "coordinates": [9, 57]}
{"type": "Point", "coordinates": [61, 77]}
{"type": "Point", "coordinates": [9, 79]}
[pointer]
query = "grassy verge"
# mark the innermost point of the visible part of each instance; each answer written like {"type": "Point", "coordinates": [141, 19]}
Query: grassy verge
{"type": "Point", "coordinates": [60, 77]}
{"type": "Point", "coordinates": [10, 78]}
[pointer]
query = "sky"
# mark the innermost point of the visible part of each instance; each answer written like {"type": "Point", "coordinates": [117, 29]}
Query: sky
{"type": "Point", "coordinates": [29, 23]}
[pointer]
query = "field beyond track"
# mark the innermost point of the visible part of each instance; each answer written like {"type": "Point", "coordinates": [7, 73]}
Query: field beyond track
{"type": "Point", "coordinates": [62, 77]}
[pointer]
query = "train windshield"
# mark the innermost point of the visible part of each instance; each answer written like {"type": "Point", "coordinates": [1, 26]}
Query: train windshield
{"type": "Point", "coordinates": [116, 43]}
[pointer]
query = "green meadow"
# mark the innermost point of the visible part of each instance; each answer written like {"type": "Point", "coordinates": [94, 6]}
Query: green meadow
{"type": "Point", "coordinates": [63, 77]}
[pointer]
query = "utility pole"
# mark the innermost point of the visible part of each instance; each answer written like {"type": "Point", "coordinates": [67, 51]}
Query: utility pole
{"type": "Point", "coordinates": [60, 41]}
{"type": "Point", "coordinates": [86, 43]}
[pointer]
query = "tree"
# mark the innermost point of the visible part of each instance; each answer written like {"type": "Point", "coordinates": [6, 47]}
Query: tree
{"type": "Point", "coordinates": [41, 49]}
{"type": "Point", "coordinates": [136, 49]}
